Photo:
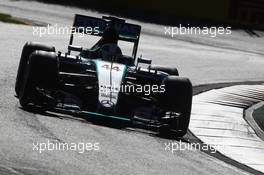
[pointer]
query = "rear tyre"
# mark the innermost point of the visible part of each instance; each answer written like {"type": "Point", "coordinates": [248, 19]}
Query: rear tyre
{"type": "Point", "coordinates": [168, 70]}
{"type": "Point", "coordinates": [177, 98]}
{"type": "Point", "coordinates": [40, 71]}
{"type": "Point", "coordinates": [28, 48]}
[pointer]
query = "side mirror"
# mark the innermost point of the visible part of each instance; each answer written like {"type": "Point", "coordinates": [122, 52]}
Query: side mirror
{"type": "Point", "coordinates": [75, 48]}
{"type": "Point", "coordinates": [144, 60]}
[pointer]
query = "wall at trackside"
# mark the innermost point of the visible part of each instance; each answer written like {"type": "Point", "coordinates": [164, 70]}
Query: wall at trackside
{"type": "Point", "coordinates": [240, 12]}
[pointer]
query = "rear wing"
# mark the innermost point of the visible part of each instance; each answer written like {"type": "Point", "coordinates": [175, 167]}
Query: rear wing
{"type": "Point", "coordinates": [126, 31]}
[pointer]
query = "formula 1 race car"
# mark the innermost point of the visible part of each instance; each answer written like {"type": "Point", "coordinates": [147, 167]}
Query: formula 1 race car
{"type": "Point", "coordinates": [103, 82]}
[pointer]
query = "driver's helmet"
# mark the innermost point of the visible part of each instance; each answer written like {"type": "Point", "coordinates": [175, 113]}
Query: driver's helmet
{"type": "Point", "coordinates": [109, 47]}
{"type": "Point", "coordinates": [110, 35]}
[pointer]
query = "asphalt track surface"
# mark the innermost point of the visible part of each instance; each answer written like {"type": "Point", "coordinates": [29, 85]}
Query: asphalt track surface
{"type": "Point", "coordinates": [234, 58]}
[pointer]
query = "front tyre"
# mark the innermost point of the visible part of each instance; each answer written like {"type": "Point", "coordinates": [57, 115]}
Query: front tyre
{"type": "Point", "coordinates": [28, 49]}
{"type": "Point", "coordinates": [177, 100]}
{"type": "Point", "coordinates": [40, 72]}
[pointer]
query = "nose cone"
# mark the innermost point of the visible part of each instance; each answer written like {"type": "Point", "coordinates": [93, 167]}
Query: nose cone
{"type": "Point", "coordinates": [110, 76]}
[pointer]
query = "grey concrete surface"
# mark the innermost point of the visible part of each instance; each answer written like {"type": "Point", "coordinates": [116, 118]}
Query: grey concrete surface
{"type": "Point", "coordinates": [238, 57]}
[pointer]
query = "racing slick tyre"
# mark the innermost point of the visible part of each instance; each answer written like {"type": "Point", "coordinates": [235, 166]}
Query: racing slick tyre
{"type": "Point", "coordinates": [169, 70]}
{"type": "Point", "coordinates": [177, 100]}
{"type": "Point", "coordinates": [41, 71]}
{"type": "Point", "coordinates": [28, 48]}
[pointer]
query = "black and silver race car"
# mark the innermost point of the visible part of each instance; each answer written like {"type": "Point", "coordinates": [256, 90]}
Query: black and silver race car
{"type": "Point", "coordinates": [103, 82]}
